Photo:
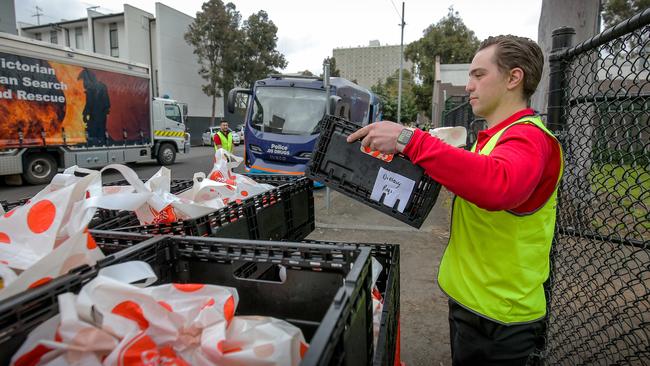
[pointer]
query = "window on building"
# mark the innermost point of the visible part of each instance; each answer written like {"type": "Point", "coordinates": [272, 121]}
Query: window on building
{"type": "Point", "coordinates": [112, 36]}
{"type": "Point", "coordinates": [37, 36]}
{"type": "Point", "coordinates": [79, 37]}
{"type": "Point", "coordinates": [67, 37]}
{"type": "Point", "coordinates": [53, 37]}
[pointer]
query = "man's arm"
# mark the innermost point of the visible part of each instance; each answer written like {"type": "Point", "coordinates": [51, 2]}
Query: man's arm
{"type": "Point", "coordinates": [217, 141]}
{"type": "Point", "coordinates": [501, 181]}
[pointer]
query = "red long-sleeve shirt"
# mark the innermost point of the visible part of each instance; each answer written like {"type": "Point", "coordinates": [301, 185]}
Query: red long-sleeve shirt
{"type": "Point", "coordinates": [520, 173]}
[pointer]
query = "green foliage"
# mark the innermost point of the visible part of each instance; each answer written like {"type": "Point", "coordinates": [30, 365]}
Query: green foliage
{"type": "Point", "coordinates": [260, 57]}
{"type": "Point", "coordinates": [231, 53]}
{"type": "Point", "coordinates": [334, 71]}
{"type": "Point", "coordinates": [451, 40]}
{"type": "Point", "coordinates": [306, 73]}
{"type": "Point", "coordinates": [388, 92]}
{"type": "Point", "coordinates": [212, 34]}
{"type": "Point", "coordinates": [615, 11]}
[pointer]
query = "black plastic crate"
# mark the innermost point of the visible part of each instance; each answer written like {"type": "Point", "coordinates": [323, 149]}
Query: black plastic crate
{"type": "Point", "coordinates": [342, 166]}
{"type": "Point", "coordinates": [10, 205]}
{"type": "Point", "coordinates": [231, 221]}
{"type": "Point", "coordinates": [127, 220]}
{"type": "Point", "coordinates": [388, 284]}
{"type": "Point", "coordinates": [285, 212]}
{"type": "Point", "coordinates": [273, 179]}
{"type": "Point", "coordinates": [326, 292]}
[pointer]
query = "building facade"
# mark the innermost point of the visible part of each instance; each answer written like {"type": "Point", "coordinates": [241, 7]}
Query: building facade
{"type": "Point", "coordinates": [138, 36]}
{"type": "Point", "coordinates": [369, 65]}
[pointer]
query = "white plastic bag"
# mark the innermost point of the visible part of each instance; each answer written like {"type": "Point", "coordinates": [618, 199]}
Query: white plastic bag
{"type": "Point", "coordinates": [454, 136]}
{"type": "Point", "coordinates": [164, 207]}
{"type": "Point", "coordinates": [47, 236]}
{"type": "Point", "coordinates": [112, 322]}
{"type": "Point", "coordinates": [245, 187]}
{"type": "Point", "coordinates": [207, 194]}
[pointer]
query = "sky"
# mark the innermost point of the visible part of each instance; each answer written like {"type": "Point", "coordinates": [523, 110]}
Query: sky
{"type": "Point", "coordinates": [308, 30]}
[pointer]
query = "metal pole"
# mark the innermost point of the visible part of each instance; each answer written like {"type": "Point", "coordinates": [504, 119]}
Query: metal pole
{"type": "Point", "coordinates": [326, 84]}
{"type": "Point", "coordinates": [401, 67]}
{"type": "Point", "coordinates": [562, 39]}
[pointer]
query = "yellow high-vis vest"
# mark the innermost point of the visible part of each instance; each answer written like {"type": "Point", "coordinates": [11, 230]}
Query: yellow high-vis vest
{"type": "Point", "coordinates": [226, 142]}
{"type": "Point", "coordinates": [496, 262]}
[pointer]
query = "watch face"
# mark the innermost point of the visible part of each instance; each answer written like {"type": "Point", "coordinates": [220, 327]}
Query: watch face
{"type": "Point", "coordinates": [404, 136]}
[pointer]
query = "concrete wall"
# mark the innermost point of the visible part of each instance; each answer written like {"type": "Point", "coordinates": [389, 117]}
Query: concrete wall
{"type": "Point", "coordinates": [8, 17]}
{"type": "Point", "coordinates": [154, 64]}
{"type": "Point", "coordinates": [196, 126]}
{"type": "Point", "coordinates": [136, 26]}
{"type": "Point", "coordinates": [455, 74]}
{"type": "Point", "coordinates": [177, 65]}
{"type": "Point", "coordinates": [101, 38]}
{"type": "Point", "coordinates": [582, 15]}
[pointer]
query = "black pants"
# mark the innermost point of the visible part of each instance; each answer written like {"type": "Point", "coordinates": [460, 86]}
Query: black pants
{"type": "Point", "coordinates": [476, 340]}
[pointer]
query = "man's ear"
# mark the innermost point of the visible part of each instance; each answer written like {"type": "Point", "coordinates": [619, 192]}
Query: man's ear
{"type": "Point", "coordinates": [516, 78]}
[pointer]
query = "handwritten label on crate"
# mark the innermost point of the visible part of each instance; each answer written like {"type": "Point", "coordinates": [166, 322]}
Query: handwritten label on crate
{"type": "Point", "coordinates": [393, 187]}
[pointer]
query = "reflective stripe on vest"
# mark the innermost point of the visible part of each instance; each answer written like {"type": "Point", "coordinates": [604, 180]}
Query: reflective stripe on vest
{"type": "Point", "coordinates": [227, 145]}
{"type": "Point", "coordinates": [496, 262]}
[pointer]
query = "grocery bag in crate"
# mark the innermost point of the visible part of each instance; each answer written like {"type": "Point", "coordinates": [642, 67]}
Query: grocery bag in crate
{"type": "Point", "coordinates": [113, 322]}
{"type": "Point", "coordinates": [203, 197]}
{"type": "Point", "coordinates": [224, 163]}
{"type": "Point", "coordinates": [48, 236]}
{"type": "Point", "coordinates": [207, 195]}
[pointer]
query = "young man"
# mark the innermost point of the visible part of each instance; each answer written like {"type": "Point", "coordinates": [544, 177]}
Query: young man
{"type": "Point", "coordinates": [503, 215]}
{"type": "Point", "coordinates": [223, 138]}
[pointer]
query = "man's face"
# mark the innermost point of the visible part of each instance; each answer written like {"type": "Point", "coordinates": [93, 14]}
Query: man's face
{"type": "Point", "coordinates": [224, 126]}
{"type": "Point", "coordinates": [487, 84]}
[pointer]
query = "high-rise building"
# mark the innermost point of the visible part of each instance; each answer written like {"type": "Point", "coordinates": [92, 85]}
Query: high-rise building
{"type": "Point", "coordinates": [368, 65]}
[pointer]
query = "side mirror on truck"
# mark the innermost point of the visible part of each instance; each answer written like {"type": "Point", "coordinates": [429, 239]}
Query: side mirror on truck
{"type": "Point", "coordinates": [184, 105]}
{"type": "Point", "coordinates": [232, 97]}
{"type": "Point", "coordinates": [336, 107]}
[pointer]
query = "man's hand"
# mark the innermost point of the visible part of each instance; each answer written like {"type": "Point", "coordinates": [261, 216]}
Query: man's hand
{"type": "Point", "coordinates": [379, 136]}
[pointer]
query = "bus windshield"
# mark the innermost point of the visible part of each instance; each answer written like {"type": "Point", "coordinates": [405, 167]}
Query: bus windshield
{"type": "Point", "coordinates": [288, 110]}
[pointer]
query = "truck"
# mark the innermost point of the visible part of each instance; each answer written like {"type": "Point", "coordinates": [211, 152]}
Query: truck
{"type": "Point", "coordinates": [61, 107]}
{"type": "Point", "coordinates": [281, 122]}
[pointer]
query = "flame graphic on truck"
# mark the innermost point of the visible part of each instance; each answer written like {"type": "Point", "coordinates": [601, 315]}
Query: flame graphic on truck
{"type": "Point", "coordinates": [59, 120]}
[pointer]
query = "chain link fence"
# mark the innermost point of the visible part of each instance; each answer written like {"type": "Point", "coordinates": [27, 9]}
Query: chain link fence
{"type": "Point", "coordinates": [599, 287]}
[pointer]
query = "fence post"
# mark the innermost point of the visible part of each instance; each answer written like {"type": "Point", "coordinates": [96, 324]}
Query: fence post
{"type": "Point", "coordinates": [562, 39]}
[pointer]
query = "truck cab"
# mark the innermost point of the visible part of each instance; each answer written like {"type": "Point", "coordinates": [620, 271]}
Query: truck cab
{"type": "Point", "coordinates": [169, 130]}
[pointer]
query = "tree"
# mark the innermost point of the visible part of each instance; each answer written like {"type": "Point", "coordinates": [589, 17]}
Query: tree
{"type": "Point", "coordinates": [388, 92]}
{"type": "Point", "coordinates": [451, 40]}
{"type": "Point", "coordinates": [231, 53]}
{"type": "Point", "coordinates": [615, 11]}
{"type": "Point", "coordinates": [260, 57]}
{"type": "Point", "coordinates": [334, 71]}
{"type": "Point", "coordinates": [212, 34]}
{"type": "Point", "coordinates": [306, 73]}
